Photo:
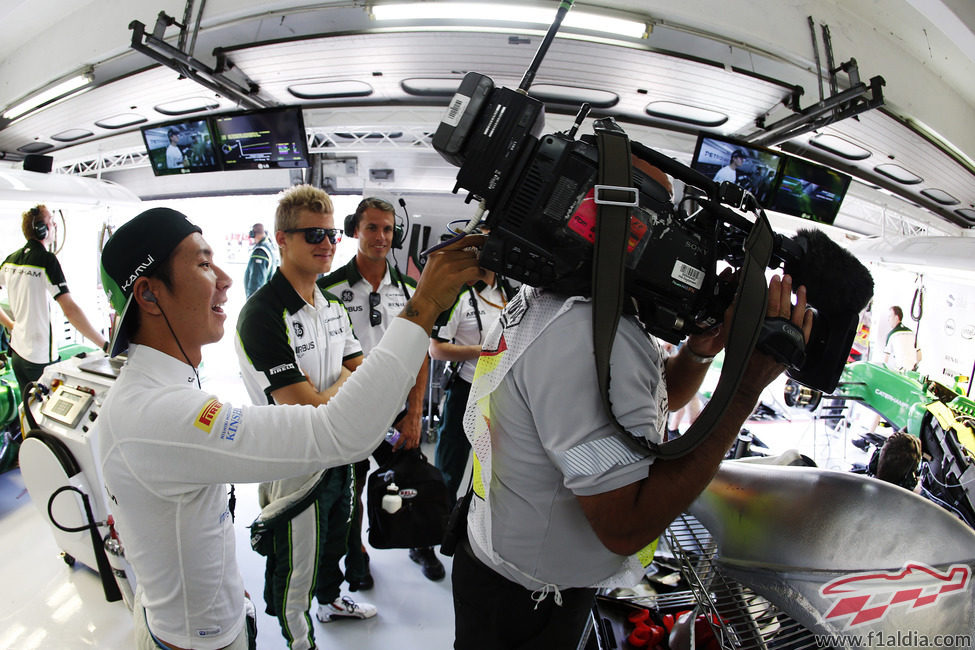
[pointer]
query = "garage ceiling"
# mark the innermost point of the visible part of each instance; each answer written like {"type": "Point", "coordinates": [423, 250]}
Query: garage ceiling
{"type": "Point", "coordinates": [372, 74]}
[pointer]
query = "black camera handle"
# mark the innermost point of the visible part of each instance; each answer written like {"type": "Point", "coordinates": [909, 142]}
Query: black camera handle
{"type": "Point", "coordinates": [614, 196]}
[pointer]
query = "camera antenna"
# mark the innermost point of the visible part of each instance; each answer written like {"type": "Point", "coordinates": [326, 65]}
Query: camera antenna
{"type": "Point", "coordinates": [580, 116]}
{"type": "Point", "coordinates": [529, 77]}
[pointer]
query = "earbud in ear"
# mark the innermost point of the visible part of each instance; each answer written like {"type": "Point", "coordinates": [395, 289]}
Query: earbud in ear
{"type": "Point", "coordinates": [148, 296]}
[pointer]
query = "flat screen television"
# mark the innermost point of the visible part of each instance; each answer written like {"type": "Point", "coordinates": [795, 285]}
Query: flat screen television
{"type": "Point", "coordinates": [809, 191]}
{"type": "Point", "coordinates": [752, 168]}
{"type": "Point", "coordinates": [264, 139]}
{"type": "Point", "coordinates": [181, 147]}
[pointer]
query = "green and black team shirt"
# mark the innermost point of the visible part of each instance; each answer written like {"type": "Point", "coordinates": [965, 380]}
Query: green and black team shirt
{"type": "Point", "coordinates": [30, 275]}
{"type": "Point", "coordinates": [282, 340]}
{"type": "Point", "coordinates": [394, 290]}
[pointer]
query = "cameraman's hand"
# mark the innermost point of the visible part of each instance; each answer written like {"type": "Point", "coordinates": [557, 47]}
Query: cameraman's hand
{"type": "Point", "coordinates": [762, 368]}
{"type": "Point", "coordinates": [447, 271]}
{"type": "Point", "coordinates": [710, 343]}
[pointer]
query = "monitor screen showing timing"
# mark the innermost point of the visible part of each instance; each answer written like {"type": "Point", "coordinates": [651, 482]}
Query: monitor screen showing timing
{"type": "Point", "coordinates": [265, 139]}
{"type": "Point", "coordinates": [751, 168]}
{"type": "Point", "coordinates": [180, 147]}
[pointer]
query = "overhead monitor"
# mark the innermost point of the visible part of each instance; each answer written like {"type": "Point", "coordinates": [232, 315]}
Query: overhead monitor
{"type": "Point", "coordinates": [181, 147]}
{"type": "Point", "coordinates": [266, 139]}
{"type": "Point", "coordinates": [809, 191]}
{"type": "Point", "coordinates": [751, 168]}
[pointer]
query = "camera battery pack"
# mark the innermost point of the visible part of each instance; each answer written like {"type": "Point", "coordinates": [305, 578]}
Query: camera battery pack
{"type": "Point", "coordinates": [459, 118]}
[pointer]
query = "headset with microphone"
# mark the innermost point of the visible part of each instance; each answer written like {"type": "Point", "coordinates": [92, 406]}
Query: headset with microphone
{"type": "Point", "coordinates": [39, 227]}
{"type": "Point", "coordinates": [399, 229]}
{"type": "Point", "coordinates": [149, 296]}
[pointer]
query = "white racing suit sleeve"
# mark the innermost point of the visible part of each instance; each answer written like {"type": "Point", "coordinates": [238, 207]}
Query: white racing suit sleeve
{"type": "Point", "coordinates": [232, 444]}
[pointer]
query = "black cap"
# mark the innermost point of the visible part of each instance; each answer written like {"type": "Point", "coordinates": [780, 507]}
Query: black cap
{"type": "Point", "coordinates": [137, 249]}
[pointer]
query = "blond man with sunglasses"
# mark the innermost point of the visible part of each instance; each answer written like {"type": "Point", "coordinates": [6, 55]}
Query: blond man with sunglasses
{"type": "Point", "coordinates": [295, 345]}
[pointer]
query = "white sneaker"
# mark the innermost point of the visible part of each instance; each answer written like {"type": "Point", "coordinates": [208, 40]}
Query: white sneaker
{"type": "Point", "coordinates": [344, 607]}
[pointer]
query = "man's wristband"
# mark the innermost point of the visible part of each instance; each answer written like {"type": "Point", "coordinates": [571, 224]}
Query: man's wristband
{"type": "Point", "coordinates": [694, 356]}
{"type": "Point", "coordinates": [105, 347]}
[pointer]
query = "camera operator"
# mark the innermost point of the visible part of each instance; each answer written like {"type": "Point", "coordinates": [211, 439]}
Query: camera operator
{"type": "Point", "coordinates": [569, 503]}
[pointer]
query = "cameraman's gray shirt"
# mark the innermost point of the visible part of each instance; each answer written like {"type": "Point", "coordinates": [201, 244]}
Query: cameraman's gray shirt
{"type": "Point", "coordinates": [551, 440]}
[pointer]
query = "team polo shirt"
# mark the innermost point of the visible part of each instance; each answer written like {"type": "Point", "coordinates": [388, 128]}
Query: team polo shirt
{"type": "Point", "coordinates": [461, 325]}
{"type": "Point", "coordinates": [30, 274]}
{"type": "Point", "coordinates": [281, 339]}
{"type": "Point", "coordinates": [348, 284]}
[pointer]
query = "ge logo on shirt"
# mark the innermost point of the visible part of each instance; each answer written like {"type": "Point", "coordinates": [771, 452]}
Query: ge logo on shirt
{"type": "Point", "coordinates": [348, 296]}
{"type": "Point", "coordinates": [299, 330]}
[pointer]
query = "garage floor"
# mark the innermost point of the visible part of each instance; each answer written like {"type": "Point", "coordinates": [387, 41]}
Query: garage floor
{"type": "Point", "coordinates": [46, 604]}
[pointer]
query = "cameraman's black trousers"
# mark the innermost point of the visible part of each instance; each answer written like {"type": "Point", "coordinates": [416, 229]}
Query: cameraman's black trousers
{"type": "Point", "coordinates": [493, 613]}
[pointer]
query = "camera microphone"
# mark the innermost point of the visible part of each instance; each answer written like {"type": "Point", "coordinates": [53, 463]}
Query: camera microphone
{"type": "Point", "coordinates": [838, 287]}
{"type": "Point", "coordinates": [836, 282]}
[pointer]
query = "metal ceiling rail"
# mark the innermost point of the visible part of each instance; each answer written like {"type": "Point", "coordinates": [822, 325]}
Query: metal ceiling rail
{"type": "Point", "coordinates": [359, 139]}
{"type": "Point", "coordinates": [113, 161]}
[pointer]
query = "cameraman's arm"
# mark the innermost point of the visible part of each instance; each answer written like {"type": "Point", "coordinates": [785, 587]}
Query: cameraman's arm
{"type": "Point", "coordinates": [630, 517]}
{"type": "Point", "coordinates": [687, 368]}
{"type": "Point", "coordinates": [447, 351]}
{"type": "Point", "coordinates": [685, 372]}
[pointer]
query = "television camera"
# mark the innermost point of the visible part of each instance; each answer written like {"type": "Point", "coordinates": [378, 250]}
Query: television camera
{"type": "Point", "coordinates": [544, 200]}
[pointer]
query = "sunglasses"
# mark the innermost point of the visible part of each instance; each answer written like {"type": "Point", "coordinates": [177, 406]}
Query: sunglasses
{"type": "Point", "coordinates": [318, 235]}
{"type": "Point", "coordinates": [375, 316]}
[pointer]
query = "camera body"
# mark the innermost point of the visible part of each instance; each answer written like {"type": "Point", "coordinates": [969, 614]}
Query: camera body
{"type": "Point", "coordinates": [540, 197]}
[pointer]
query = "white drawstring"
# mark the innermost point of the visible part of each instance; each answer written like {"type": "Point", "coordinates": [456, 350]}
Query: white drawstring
{"type": "Point", "coordinates": [541, 594]}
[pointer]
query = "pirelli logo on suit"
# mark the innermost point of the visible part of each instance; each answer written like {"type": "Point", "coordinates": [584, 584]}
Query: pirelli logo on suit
{"type": "Point", "coordinates": [204, 421]}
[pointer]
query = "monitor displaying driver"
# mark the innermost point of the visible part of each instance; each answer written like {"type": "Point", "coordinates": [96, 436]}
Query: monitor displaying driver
{"type": "Point", "coordinates": [753, 169]}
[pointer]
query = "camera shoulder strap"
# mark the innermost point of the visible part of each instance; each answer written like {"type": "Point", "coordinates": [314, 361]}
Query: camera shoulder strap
{"type": "Point", "coordinates": [751, 301]}
{"type": "Point", "coordinates": [614, 196]}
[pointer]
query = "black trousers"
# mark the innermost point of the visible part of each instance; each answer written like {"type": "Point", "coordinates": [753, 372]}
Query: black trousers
{"type": "Point", "coordinates": [25, 371]}
{"type": "Point", "coordinates": [493, 613]}
{"type": "Point", "coordinates": [453, 449]}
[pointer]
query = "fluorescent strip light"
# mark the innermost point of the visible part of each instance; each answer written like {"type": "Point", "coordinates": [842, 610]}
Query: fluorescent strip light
{"type": "Point", "coordinates": [508, 13]}
{"type": "Point", "coordinates": [65, 87]}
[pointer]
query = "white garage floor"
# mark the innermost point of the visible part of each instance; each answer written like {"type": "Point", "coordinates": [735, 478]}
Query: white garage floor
{"type": "Point", "coordinates": [46, 604]}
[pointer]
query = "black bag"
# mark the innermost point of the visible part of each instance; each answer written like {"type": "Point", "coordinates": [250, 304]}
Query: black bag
{"type": "Point", "coordinates": [457, 524]}
{"type": "Point", "coordinates": [423, 509]}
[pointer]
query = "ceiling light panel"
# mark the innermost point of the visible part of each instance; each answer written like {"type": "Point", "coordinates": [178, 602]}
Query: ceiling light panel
{"type": "Point", "coordinates": [139, 93]}
{"type": "Point", "coordinates": [493, 12]}
{"type": "Point", "coordinates": [65, 87]}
